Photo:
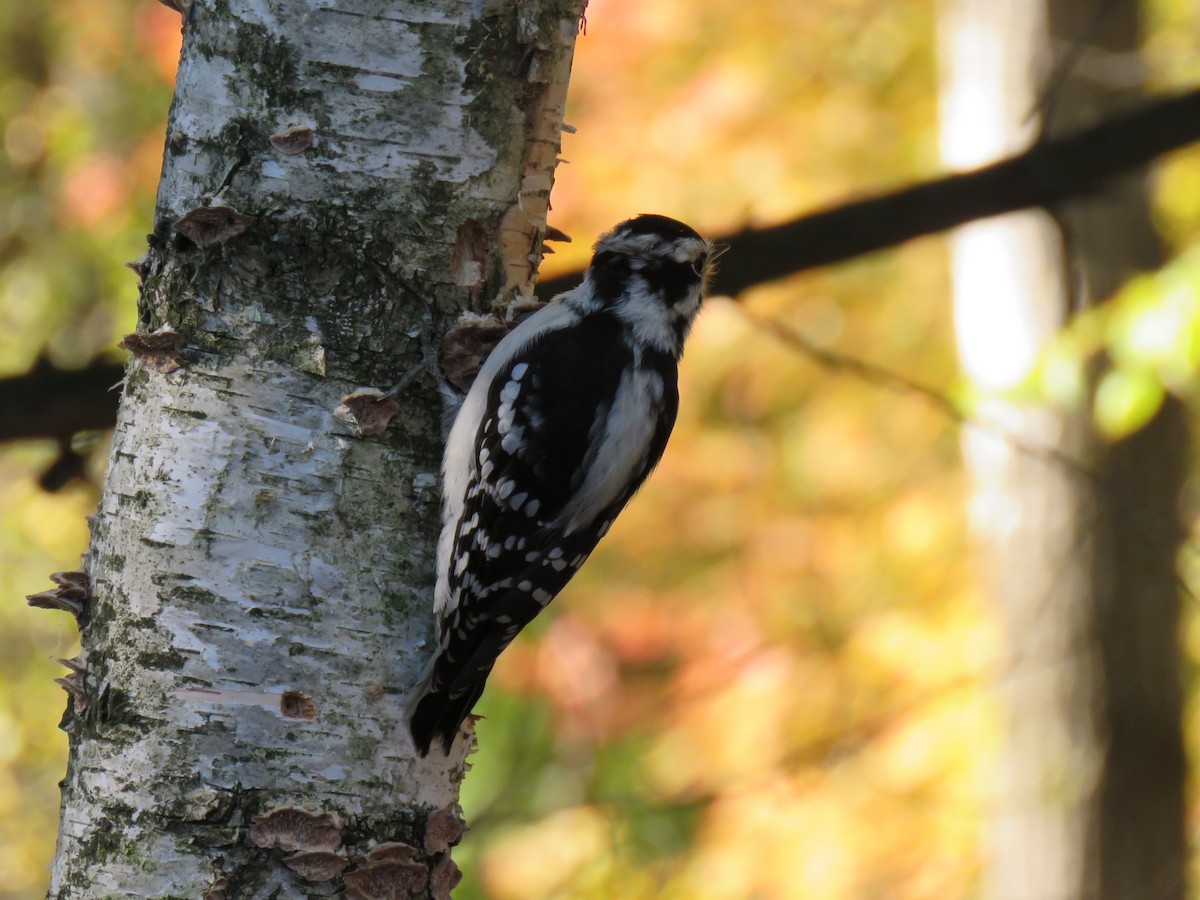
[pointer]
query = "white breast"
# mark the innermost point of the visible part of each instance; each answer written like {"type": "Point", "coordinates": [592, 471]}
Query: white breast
{"type": "Point", "coordinates": [621, 450]}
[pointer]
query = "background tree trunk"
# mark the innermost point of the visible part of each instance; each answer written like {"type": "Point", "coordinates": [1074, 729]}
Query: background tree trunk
{"type": "Point", "coordinates": [336, 173]}
{"type": "Point", "coordinates": [1091, 790]}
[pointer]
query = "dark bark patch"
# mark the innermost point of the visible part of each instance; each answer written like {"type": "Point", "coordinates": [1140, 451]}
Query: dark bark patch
{"type": "Point", "coordinates": [443, 829]}
{"type": "Point", "coordinates": [472, 250]}
{"type": "Point", "coordinates": [386, 881]}
{"type": "Point", "coordinates": [294, 829]}
{"type": "Point", "coordinates": [71, 596]}
{"type": "Point", "coordinates": [138, 267]}
{"type": "Point", "coordinates": [293, 141]}
{"type": "Point", "coordinates": [392, 851]}
{"type": "Point", "coordinates": [74, 685]}
{"type": "Point", "coordinates": [155, 350]}
{"type": "Point", "coordinates": [367, 411]}
{"type": "Point", "coordinates": [295, 705]}
{"type": "Point", "coordinates": [467, 344]}
{"type": "Point", "coordinates": [180, 6]}
{"type": "Point", "coordinates": [444, 877]}
{"type": "Point", "coordinates": [56, 599]}
{"type": "Point", "coordinates": [473, 337]}
{"type": "Point", "coordinates": [217, 890]}
{"type": "Point", "coordinates": [205, 226]}
{"type": "Point", "coordinates": [315, 866]}
{"type": "Point", "coordinates": [556, 234]}
{"type": "Point", "coordinates": [71, 580]}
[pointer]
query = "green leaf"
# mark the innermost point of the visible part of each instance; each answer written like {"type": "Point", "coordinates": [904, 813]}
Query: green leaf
{"type": "Point", "coordinates": [1125, 401]}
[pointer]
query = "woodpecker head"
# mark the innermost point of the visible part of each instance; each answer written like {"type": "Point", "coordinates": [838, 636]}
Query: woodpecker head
{"type": "Point", "coordinates": [652, 271]}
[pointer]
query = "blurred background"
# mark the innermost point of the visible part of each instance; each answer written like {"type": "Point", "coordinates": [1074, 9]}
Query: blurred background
{"type": "Point", "coordinates": [776, 677]}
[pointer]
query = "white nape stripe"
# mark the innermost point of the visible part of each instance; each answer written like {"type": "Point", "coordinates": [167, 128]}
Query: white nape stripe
{"type": "Point", "coordinates": [684, 249]}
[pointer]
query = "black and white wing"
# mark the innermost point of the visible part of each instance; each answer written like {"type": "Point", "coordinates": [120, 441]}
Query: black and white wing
{"type": "Point", "coordinates": [563, 430]}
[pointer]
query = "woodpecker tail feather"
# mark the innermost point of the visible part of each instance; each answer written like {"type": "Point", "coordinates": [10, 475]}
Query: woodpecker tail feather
{"type": "Point", "coordinates": [438, 715]}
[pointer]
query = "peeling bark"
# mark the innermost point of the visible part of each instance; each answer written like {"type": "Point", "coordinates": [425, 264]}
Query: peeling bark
{"type": "Point", "coordinates": [261, 574]}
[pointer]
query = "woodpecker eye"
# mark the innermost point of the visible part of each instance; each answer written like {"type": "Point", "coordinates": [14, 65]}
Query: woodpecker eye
{"type": "Point", "coordinates": [699, 264]}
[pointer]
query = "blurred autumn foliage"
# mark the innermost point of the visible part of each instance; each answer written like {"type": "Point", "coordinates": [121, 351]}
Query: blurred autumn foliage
{"type": "Point", "coordinates": [84, 90]}
{"type": "Point", "coordinates": [773, 679]}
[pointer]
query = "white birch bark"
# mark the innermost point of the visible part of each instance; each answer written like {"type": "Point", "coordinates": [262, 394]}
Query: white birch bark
{"type": "Point", "coordinates": [261, 575]}
{"type": "Point", "coordinates": [1089, 796]}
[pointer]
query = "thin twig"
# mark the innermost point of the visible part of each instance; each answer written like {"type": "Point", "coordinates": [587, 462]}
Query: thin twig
{"type": "Point", "coordinates": [895, 381]}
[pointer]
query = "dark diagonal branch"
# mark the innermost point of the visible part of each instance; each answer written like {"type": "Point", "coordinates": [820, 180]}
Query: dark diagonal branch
{"type": "Point", "coordinates": [48, 402]}
{"type": "Point", "coordinates": [870, 373]}
{"type": "Point", "coordinates": [1047, 174]}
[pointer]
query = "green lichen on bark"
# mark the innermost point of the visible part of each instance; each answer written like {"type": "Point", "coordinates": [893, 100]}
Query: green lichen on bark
{"type": "Point", "coordinates": [106, 844]}
{"type": "Point", "coordinates": [495, 47]}
{"type": "Point", "coordinates": [161, 659]}
{"type": "Point", "coordinates": [192, 596]}
{"type": "Point", "coordinates": [328, 278]}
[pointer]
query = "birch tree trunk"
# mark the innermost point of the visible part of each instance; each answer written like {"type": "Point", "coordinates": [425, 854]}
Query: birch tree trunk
{"type": "Point", "coordinates": [1089, 802]}
{"type": "Point", "coordinates": [337, 174]}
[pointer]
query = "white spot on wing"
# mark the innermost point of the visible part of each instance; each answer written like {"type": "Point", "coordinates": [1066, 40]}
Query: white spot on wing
{"type": "Point", "coordinates": [457, 463]}
{"type": "Point", "coordinates": [512, 440]}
